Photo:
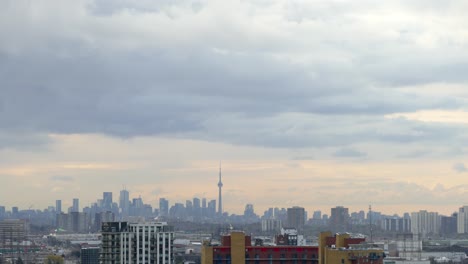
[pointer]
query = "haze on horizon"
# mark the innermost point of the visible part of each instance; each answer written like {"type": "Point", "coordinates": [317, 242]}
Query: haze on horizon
{"type": "Point", "coordinates": [309, 103]}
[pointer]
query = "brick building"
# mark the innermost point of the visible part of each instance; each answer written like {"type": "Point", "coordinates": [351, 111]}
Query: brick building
{"type": "Point", "coordinates": [237, 248]}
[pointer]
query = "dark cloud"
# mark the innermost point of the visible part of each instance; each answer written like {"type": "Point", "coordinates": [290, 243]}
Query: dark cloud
{"type": "Point", "coordinates": [232, 82]}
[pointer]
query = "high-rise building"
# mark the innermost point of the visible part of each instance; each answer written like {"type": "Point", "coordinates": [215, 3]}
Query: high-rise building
{"type": "Point", "coordinates": [396, 224]}
{"type": "Point", "coordinates": [196, 207]}
{"type": "Point", "coordinates": [203, 209]}
{"type": "Point", "coordinates": [424, 223]}
{"type": "Point", "coordinates": [15, 211]}
{"type": "Point", "coordinates": [2, 212]}
{"type": "Point", "coordinates": [189, 208]}
{"type": "Point", "coordinates": [163, 207]}
{"type": "Point", "coordinates": [462, 220]}
{"type": "Point", "coordinates": [58, 206]}
{"type": "Point", "coordinates": [317, 215]}
{"type": "Point", "coordinates": [211, 209]}
{"type": "Point", "coordinates": [124, 202]}
{"type": "Point", "coordinates": [271, 225]}
{"type": "Point", "coordinates": [76, 205]}
{"type": "Point", "coordinates": [107, 201]}
{"type": "Point", "coordinates": [137, 243]}
{"type": "Point", "coordinates": [296, 217]}
{"type": "Point", "coordinates": [448, 224]}
{"type": "Point", "coordinates": [339, 219]}
{"type": "Point", "coordinates": [220, 197]}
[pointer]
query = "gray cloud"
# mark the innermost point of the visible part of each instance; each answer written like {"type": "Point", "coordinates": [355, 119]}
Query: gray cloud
{"type": "Point", "coordinates": [118, 68]}
{"type": "Point", "coordinates": [349, 153]}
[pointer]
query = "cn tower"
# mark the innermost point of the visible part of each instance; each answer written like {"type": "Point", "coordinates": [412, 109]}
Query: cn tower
{"type": "Point", "coordinates": [220, 198]}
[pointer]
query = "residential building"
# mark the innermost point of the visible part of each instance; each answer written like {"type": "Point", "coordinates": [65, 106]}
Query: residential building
{"type": "Point", "coordinates": [296, 217]}
{"type": "Point", "coordinates": [424, 223]}
{"type": "Point", "coordinates": [462, 220]}
{"type": "Point", "coordinates": [130, 243]}
{"type": "Point", "coordinates": [339, 219]}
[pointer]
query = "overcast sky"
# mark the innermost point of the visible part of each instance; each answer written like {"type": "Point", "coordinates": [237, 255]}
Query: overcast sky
{"type": "Point", "coordinates": [309, 103]}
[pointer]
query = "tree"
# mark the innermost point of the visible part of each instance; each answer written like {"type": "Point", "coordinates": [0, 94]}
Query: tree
{"type": "Point", "coordinates": [53, 259]}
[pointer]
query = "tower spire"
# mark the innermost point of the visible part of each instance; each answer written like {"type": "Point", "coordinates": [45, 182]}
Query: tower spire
{"type": "Point", "coordinates": [220, 198]}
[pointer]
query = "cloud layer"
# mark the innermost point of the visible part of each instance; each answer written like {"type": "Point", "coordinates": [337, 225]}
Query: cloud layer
{"type": "Point", "coordinates": [323, 79]}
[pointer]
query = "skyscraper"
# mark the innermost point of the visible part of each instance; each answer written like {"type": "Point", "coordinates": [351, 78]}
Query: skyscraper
{"type": "Point", "coordinates": [296, 217]}
{"type": "Point", "coordinates": [76, 205]}
{"type": "Point", "coordinates": [163, 207]}
{"type": "Point", "coordinates": [124, 202]}
{"type": "Point", "coordinates": [220, 199]}
{"type": "Point", "coordinates": [211, 209]}
{"type": "Point", "coordinates": [58, 206]}
{"type": "Point", "coordinates": [339, 219]}
{"type": "Point", "coordinates": [107, 201]}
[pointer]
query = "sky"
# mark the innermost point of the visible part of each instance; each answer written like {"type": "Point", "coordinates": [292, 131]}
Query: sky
{"type": "Point", "coordinates": [305, 103]}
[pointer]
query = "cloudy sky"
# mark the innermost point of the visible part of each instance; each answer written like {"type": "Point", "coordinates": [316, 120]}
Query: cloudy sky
{"type": "Point", "coordinates": [310, 103]}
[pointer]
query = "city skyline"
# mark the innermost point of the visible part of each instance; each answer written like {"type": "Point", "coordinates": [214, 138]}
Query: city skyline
{"type": "Point", "coordinates": [74, 206]}
{"type": "Point", "coordinates": [314, 104]}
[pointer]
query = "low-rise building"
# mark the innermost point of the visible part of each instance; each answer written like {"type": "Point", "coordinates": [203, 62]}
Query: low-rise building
{"type": "Point", "coordinates": [237, 248]}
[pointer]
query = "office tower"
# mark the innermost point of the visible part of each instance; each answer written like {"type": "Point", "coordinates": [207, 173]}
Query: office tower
{"type": "Point", "coordinates": [203, 209]}
{"type": "Point", "coordinates": [76, 205]}
{"type": "Point", "coordinates": [90, 255]}
{"type": "Point", "coordinates": [189, 208]}
{"type": "Point", "coordinates": [448, 224]}
{"type": "Point", "coordinates": [339, 219]}
{"type": "Point", "coordinates": [317, 215]}
{"type": "Point", "coordinates": [2, 212]}
{"type": "Point", "coordinates": [102, 217]}
{"type": "Point", "coordinates": [220, 198]}
{"type": "Point", "coordinates": [296, 217]}
{"type": "Point", "coordinates": [107, 201]}
{"type": "Point", "coordinates": [249, 210]}
{"type": "Point", "coordinates": [211, 209]}
{"type": "Point", "coordinates": [425, 223]}
{"type": "Point", "coordinates": [14, 211]}
{"type": "Point", "coordinates": [79, 223]}
{"type": "Point", "coordinates": [124, 202]}
{"type": "Point", "coordinates": [196, 207]}
{"type": "Point", "coordinates": [132, 243]}
{"type": "Point", "coordinates": [196, 203]}
{"type": "Point", "coordinates": [58, 206]}
{"type": "Point", "coordinates": [163, 207]}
